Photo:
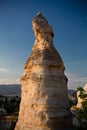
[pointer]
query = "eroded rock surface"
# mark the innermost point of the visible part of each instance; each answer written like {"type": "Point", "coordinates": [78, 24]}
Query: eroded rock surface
{"type": "Point", "coordinates": [44, 101]}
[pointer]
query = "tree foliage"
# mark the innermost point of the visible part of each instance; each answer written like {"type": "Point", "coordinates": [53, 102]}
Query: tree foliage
{"type": "Point", "coordinates": [12, 126]}
{"type": "Point", "coordinates": [82, 95]}
{"type": "Point", "coordinates": [82, 116]}
{"type": "Point", "coordinates": [79, 89]}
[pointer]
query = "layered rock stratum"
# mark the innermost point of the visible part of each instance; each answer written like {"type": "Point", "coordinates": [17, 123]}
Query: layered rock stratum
{"type": "Point", "coordinates": [44, 99]}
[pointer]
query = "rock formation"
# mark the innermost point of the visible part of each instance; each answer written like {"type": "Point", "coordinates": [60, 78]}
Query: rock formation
{"type": "Point", "coordinates": [85, 87]}
{"type": "Point", "coordinates": [80, 99]}
{"type": "Point", "coordinates": [44, 100]}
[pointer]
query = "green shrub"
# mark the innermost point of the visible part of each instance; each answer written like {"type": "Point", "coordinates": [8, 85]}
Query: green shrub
{"type": "Point", "coordinates": [12, 126]}
{"type": "Point", "coordinates": [79, 89]}
{"type": "Point", "coordinates": [82, 95]}
{"type": "Point", "coordinates": [82, 116]}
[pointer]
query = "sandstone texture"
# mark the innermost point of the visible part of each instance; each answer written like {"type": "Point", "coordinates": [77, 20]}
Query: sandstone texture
{"type": "Point", "coordinates": [44, 100]}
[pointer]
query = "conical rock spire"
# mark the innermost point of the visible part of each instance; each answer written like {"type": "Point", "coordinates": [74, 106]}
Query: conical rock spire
{"type": "Point", "coordinates": [44, 100]}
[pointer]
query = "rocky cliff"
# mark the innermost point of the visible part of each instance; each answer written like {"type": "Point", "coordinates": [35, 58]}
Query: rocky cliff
{"type": "Point", "coordinates": [44, 100]}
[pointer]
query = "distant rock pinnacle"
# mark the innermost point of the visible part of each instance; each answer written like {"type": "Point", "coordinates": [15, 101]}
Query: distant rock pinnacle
{"type": "Point", "coordinates": [44, 100]}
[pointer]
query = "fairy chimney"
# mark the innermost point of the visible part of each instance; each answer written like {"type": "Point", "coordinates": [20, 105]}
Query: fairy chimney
{"type": "Point", "coordinates": [44, 100]}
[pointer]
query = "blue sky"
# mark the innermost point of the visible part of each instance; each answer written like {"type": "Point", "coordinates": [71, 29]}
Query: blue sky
{"type": "Point", "coordinates": [68, 19]}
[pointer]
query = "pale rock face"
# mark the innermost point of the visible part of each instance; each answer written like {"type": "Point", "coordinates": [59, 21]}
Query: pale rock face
{"type": "Point", "coordinates": [85, 87]}
{"type": "Point", "coordinates": [44, 100]}
{"type": "Point", "coordinates": [80, 100]}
